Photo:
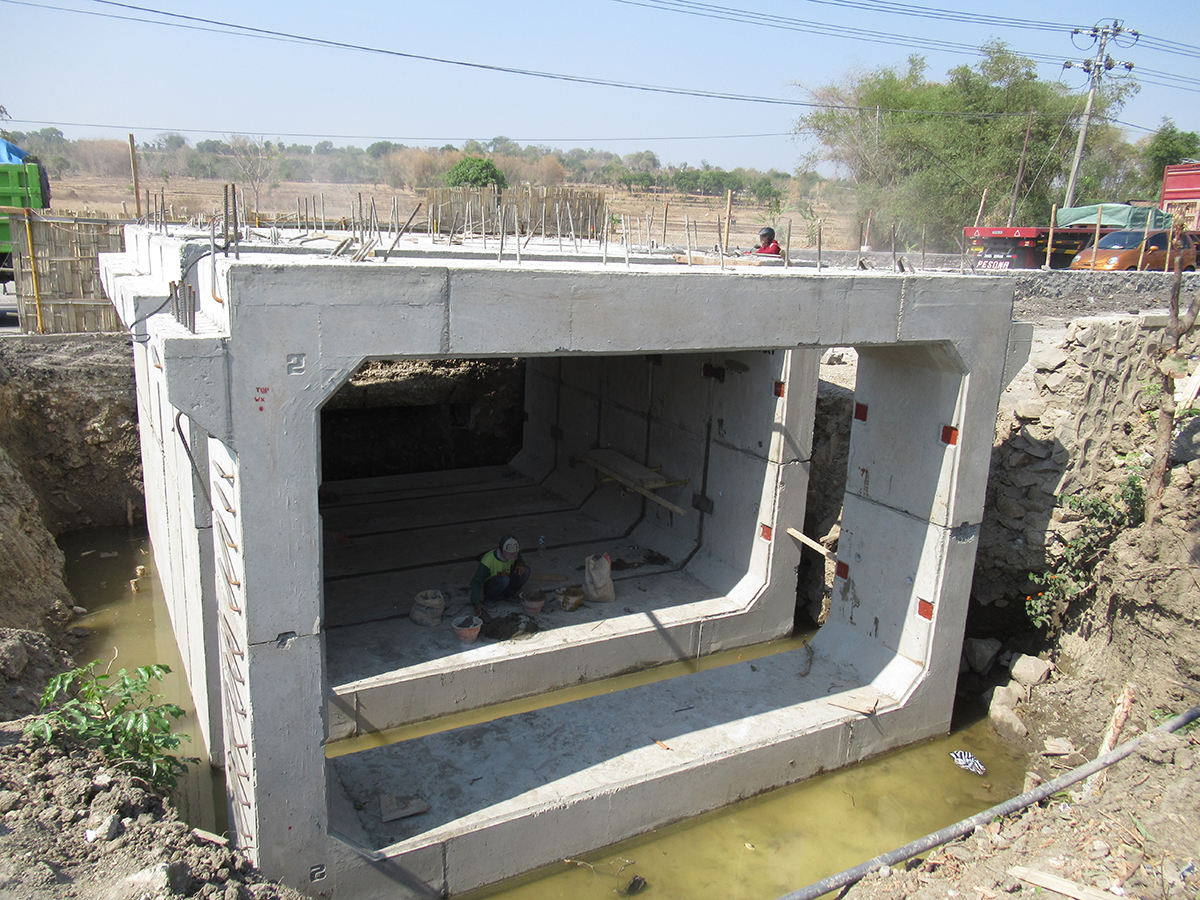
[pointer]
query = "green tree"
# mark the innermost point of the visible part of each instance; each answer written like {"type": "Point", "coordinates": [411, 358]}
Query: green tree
{"type": "Point", "coordinates": [1167, 147]}
{"type": "Point", "coordinates": [921, 152]}
{"type": "Point", "coordinates": [473, 171]}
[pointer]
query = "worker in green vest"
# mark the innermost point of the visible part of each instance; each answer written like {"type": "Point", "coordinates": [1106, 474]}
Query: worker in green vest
{"type": "Point", "coordinates": [500, 575]}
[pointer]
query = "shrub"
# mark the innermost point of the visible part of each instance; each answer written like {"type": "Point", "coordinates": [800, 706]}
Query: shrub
{"type": "Point", "coordinates": [118, 715]}
{"type": "Point", "coordinates": [473, 171]}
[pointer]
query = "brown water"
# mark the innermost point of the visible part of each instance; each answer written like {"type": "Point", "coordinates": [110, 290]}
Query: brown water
{"type": "Point", "coordinates": [127, 630]}
{"type": "Point", "coordinates": [759, 849]}
{"type": "Point", "coordinates": [786, 839]}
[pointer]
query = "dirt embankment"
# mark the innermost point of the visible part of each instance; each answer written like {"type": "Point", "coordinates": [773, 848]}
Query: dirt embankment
{"type": "Point", "coordinates": [68, 419]}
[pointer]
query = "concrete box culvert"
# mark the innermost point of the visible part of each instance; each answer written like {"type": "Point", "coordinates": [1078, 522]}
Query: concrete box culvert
{"type": "Point", "coordinates": [710, 376]}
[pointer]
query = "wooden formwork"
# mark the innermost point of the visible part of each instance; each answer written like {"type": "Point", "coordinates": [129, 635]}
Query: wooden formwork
{"type": "Point", "coordinates": [526, 210]}
{"type": "Point", "coordinates": [58, 283]}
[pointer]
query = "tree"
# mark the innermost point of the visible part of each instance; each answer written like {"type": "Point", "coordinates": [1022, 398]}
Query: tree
{"type": "Point", "coordinates": [1171, 363]}
{"type": "Point", "coordinates": [254, 161]}
{"type": "Point", "coordinates": [472, 171]}
{"type": "Point", "coordinates": [922, 152]}
{"type": "Point", "coordinates": [1168, 147]}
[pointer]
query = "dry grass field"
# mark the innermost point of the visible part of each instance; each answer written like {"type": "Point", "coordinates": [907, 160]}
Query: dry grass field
{"type": "Point", "coordinates": [185, 198]}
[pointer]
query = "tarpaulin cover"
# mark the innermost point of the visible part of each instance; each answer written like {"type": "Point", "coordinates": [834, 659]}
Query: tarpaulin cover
{"type": "Point", "coordinates": [11, 153]}
{"type": "Point", "coordinates": [1113, 215]}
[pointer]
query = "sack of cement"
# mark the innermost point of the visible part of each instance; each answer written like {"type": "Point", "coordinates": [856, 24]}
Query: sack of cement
{"type": "Point", "coordinates": [427, 608]}
{"type": "Point", "coordinates": [597, 580]}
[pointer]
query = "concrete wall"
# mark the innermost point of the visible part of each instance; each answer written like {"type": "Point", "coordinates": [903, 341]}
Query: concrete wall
{"type": "Point", "coordinates": [277, 335]}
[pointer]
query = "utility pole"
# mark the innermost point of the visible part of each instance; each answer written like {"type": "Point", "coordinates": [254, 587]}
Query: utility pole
{"type": "Point", "coordinates": [1101, 34]}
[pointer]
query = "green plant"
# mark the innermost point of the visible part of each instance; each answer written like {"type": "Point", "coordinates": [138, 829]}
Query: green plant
{"type": "Point", "coordinates": [118, 715]}
{"type": "Point", "coordinates": [473, 171]}
{"type": "Point", "coordinates": [1071, 577]}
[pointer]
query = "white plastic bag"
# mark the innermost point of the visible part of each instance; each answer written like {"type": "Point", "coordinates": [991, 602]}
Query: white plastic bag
{"type": "Point", "coordinates": [597, 580]}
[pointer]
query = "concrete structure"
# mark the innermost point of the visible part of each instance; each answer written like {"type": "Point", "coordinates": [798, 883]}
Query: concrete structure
{"type": "Point", "coordinates": [709, 374]}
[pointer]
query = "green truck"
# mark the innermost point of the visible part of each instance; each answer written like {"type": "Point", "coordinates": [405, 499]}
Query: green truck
{"type": "Point", "coordinates": [23, 183]}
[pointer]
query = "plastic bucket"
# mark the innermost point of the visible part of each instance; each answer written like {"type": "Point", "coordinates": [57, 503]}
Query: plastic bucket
{"type": "Point", "coordinates": [467, 628]}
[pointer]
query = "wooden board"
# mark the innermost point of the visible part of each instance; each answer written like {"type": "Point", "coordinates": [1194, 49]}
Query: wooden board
{"type": "Point", "coordinates": [628, 471]}
{"type": "Point", "coordinates": [393, 808]}
{"type": "Point", "coordinates": [699, 259]}
{"type": "Point", "coordinates": [1058, 883]}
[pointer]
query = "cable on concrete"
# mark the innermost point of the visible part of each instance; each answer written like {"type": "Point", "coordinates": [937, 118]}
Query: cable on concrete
{"type": "Point", "coordinates": [966, 826]}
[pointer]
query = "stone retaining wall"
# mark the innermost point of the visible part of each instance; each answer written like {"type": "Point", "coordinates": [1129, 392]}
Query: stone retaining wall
{"type": "Point", "coordinates": [1089, 428]}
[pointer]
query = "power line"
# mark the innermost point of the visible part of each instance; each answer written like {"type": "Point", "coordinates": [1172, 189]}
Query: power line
{"type": "Point", "coordinates": [777, 22]}
{"type": "Point", "coordinates": [197, 23]}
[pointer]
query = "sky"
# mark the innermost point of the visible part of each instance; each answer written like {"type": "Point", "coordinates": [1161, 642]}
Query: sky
{"type": "Point", "coordinates": [104, 69]}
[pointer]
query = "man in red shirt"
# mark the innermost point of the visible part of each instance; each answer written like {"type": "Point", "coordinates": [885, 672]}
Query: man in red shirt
{"type": "Point", "coordinates": [767, 245]}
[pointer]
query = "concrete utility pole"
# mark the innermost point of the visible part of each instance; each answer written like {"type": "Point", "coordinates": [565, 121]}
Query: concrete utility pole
{"type": "Point", "coordinates": [1095, 68]}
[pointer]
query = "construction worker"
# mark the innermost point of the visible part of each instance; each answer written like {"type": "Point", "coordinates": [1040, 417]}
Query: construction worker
{"type": "Point", "coordinates": [767, 245]}
{"type": "Point", "coordinates": [500, 575]}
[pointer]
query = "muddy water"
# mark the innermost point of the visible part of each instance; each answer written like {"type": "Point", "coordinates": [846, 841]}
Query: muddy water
{"type": "Point", "coordinates": [755, 850]}
{"type": "Point", "coordinates": [127, 629]}
{"type": "Point", "coordinates": [784, 840]}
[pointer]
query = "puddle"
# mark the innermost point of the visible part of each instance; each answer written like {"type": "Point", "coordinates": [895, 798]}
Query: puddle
{"type": "Point", "coordinates": [127, 630]}
{"type": "Point", "coordinates": [786, 839]}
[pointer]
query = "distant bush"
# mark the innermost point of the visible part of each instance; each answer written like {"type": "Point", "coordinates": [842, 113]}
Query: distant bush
{"type": "Point", "coordinates": [472, 171]}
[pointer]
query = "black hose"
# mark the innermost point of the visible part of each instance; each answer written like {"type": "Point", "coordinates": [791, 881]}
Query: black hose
{"type": "Point", "coordinates": [966, 826]}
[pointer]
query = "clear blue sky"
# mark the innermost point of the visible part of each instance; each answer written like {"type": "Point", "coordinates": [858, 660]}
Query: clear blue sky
{"type": "Point", "coordinates": [113, 76]}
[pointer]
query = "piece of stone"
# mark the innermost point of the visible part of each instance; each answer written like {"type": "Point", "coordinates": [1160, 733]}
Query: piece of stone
{"type": "Point", "coordinates": [1030, 670]}
{"type": "Point", "coordinates": [13, 658]}
{"type": "Point", "coordinates": [1005, 695]}
{"type": "Point", "coordinates": [1049, 359]}
{"type": "Point", "coordinates": [1058, 747]}
{"type": "Point", "coordinates": [1030, 408]}
{"type": "Point", "coordinates": [1009, 507]}
{"type": "Point", "coordinates": [981, 653]}
{"type": "Point", "coordinates": [1007, 723]}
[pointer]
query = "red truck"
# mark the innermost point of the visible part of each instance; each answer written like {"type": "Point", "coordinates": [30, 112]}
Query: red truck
{"type": "Point", "coordinates": [1025, 247]}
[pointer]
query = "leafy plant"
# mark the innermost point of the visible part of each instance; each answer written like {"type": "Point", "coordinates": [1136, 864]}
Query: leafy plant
{"type": "Point", "coordinates": [1071, 577]}
{"type": "Point", "coordinates": [118, 715]}
{"type": "Point", "coordinates": [473, 171]}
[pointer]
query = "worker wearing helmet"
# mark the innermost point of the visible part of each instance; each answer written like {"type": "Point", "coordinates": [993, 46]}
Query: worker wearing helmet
{"type": "Point", "coordinates": [500, 575]}
{"type": "Point", "coordinates": [767, 245]}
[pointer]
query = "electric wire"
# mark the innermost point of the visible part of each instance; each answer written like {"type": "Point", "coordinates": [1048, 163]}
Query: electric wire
{"type": "Point", "coordinates": [199, 23]}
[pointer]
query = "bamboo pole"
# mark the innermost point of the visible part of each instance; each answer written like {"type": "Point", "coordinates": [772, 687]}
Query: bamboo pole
{"type": "Point", "coordinates": [982, 201]}
{"type": "Point", "coordinates": [1096, 237]}
{"type": "Point", "coordinates": [687, 233]}
{"type": "Point", "coordinates": [666, 207]}
{"type": "Point", "coordinates": [787, 249]}
{"type": "Point", "coordinates": [1050, 239]}
{"type": "Point", "coordinates": [728, 216]}
{"type": "Point", "coordinates": [136, 189]}
{"type": "Point", "coordinates": [37, 292]}
{"type": "Point", "coordinates": [1145, 237]}
{"type": "Point", "coordinates": [820, 236]}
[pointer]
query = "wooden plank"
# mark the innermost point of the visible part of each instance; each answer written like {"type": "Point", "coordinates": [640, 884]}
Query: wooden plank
{"type": "Point", "coordinates": [859, 703]}
{"type": "Point", "coordinates": [648, 494]}
{"type": "Point", "coordinates": [1057, 883]}
{"type": "Point", "coordinates": [809, 542]}
{"type": "Point", "coordinates": [699, 259]}
{"type": "Point", "coordinates": [627, 470]}
{"type": "Point", "coordinates": [391, 808]}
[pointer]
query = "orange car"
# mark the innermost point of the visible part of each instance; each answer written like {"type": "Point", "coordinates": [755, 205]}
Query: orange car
{"type": "Point", "coordinates": [1119, 251]}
